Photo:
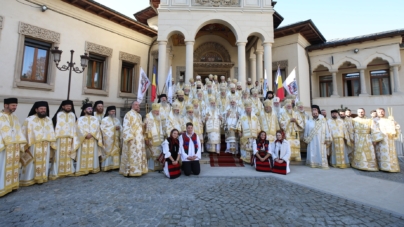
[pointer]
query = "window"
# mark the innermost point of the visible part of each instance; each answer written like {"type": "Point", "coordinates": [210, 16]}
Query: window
{"type": "Point", "coordinates": [35, 61]}
{"type": "Point", "coordinates": [380, 82]}
{"type": "Point", "coordinates": [351, 84]}
{"type": "Point", "coordinates": [127, 77]}
{"type": "Point", "coordinates": [95, 72]}
{"type": "Point", "coordinates": [325, 86]}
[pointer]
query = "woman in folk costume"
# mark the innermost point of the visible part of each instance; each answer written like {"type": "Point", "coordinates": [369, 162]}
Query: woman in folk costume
{"type": "Point", "coordinates": [111, 129]}
{"type": "Point", "coordinates": [262, 159]}
{"type": "Point", "coordinates": [213, 121]}
{"type": "Point", "coordinates": [171, 148]}
{"type": "Point", "coordinates": [38, 129]}
{"type": "Point", "coordinates": [88, 142]}
{"type": "Point", "coordinates": [280, 154]}
{"type": "Point", "coordinates": [154, 137]}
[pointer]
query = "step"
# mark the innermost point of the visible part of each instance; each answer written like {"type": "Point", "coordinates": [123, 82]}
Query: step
{"type": "Point", "coordinates": [206, 160]}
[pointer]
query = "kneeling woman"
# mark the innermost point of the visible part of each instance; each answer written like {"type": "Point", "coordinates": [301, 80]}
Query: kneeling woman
{"type": "Point", "coordinates": [262, 159]}
{"type": "Point", "coordinates": [281, 154]}
{"type": "Point", "coordinates": [171, 147]}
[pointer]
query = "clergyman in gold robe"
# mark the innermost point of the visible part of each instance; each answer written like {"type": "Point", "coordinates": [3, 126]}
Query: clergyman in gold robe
{"type": "Point", "coordinates": [269, 121]}
{"type": "Point", "coordinates": [366, 135]}
{"type": "Point", "coordinates": [111, 137]}
{"type": "Point", "coordinates": [12, 141]}
{"type": "Point", "coordinates": [291, 123]}
{"type": "Point", "coordinates": [64, 122]}
{"type": "Point", "coordinates": [88, 142]}
{"type": "Point", "coordinates": [38, 130]}
{"type": "Point", "coordinates": [386, 153]}
{"type": "Point", "coordinates": [340, 140]}
{"type": "Point", "coordinates": [154, 136]}
{"type": "Point", "coordinates": [133, 159]}
{"type": "Point", "coordinates": [98, 110]}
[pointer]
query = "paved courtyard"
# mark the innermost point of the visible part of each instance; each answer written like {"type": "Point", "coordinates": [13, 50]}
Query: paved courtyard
{"type": "Point", "coordinates": [109, 199]}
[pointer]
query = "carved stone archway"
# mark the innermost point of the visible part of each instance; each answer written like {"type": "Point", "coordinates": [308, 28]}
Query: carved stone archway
{"type": "Point", "coordinates": [212, 58]}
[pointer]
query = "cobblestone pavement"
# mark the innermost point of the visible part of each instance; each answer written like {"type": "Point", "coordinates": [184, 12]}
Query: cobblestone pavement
{"type": "Point", "coordinates": [397, 177]}
{"type": "Point", "coordinates": [109, 199]}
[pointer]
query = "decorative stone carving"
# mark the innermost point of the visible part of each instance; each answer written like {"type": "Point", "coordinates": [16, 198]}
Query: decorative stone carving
{"type": "Point", "coordinates": [282, 64]}
{"type": "Point", "coordinates": [217, 3]}
{"type": "Point", "coordinates": [213, 47]}
{"type": "Point", "coordinates": [1, 22]}
{"type": "Point", "coordinates": [39, 33]}
{"type": "Point", "coordinates": [129, 57]}
{"type": "Point", "coordinates": [98, 49]}
{"type": "Point", "coordinates": [224, 65]}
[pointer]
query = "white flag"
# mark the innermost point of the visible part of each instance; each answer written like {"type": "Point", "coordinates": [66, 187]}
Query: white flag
{"type": "Point", "coordinates": [265, 85]}
{"type": "Point", "coordinates": [291, 83]}
{"type": "Point", "coordinates": [169, 86]}
{"type": "Point", "coordinates": [144, 83]}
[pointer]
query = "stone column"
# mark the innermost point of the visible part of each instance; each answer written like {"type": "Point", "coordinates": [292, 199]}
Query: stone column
{"type": "Point", "coordinates": [241, 63]}
{"type": "Point", "coordinates": [364, 91]}
{"type": "Point", "coordinates": [396, 78]}
{"type": "Point", "coordinates": [334, 85]}
{"type": "Point", "coordinates": [253, 69]}
{"type": "Point", "coordinates": [162, 75]}
{"type": "Point", "coordinates": [259, 54]}
{"type": "Point", "coordinates": [268, 64]}
{"type": "Point", "coordinates": [189, 61]}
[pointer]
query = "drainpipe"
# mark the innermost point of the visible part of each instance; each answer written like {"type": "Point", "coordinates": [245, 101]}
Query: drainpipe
{"type": "Point", "coordinates": [148, 60]}
{"type": "Point", "coordinates": [310, 74]}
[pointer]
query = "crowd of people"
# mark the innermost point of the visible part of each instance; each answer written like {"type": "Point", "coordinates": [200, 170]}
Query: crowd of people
{"type": "Point", "coordinates": [262, 130]}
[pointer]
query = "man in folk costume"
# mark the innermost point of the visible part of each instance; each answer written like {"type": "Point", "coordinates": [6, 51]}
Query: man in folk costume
{"type": "Point", "coordinates": [248, 127]}
{"type": "Point", "coordinates": [257, 104]}
{"type": "Point", "coordinates": [175, 120]}
{"type": "Point", "coordinates": [111, 129]}
{"type": "Point", "coordinates": [133, 159]}
{"type": "Point", "coordinates": [98, 110]}
{"type": "Point", "coordinates": [38, 130]}
{"type": "Point", "coordinates": [181, 101]}
{"type": "Point", "coordinates": [366, 136]}
{"type": "Point", "coordinates": [12, 141]}
{"type": "Point", "coordinates": [213, 121]}
{"type": "Point", "coordinates": [193, 117]}
{"type": "Point", "coordinates": [88, 142]}
{"type": "Point", "coordinates": [317, 136]}
{"type": "Point", "coordinates": [165, 109]}
{"type": "Point", "coordinates": [190, 151]}
{"type": "Point", "coordinates": [386, 153]}
{"type": "Point", "coordinates": [269, 121]}
{"type": "Point", "coordinates": [154, 137]}
{"type": "Point", "coordinates": [291, 123]}
{"type": "Point", "coordinates": [232, 114]}
{"type": "Point", "coordinates": [340, 141]}
{"type": "Point", "coordinates": [64, 122]}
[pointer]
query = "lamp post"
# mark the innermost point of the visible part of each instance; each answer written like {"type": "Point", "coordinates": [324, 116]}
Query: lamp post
{"type": "Point", "coordinates": [70, 65]}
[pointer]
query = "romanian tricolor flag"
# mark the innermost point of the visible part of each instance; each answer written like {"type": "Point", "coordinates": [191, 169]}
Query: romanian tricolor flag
{"type": "Point", "coordinates": [154, 87]}
{"type": "Point", "coordinates": [280, 92]}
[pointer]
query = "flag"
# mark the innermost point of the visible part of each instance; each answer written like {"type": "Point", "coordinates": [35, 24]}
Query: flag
{"type": "Point", "coordinates": [265, 85]}
{"type": "Point", "coordinates": [291, 83]}
{"type": "Point", "coordinates": [144, 83]}
{"type": "Point", "coordinates": [169, 86]}
{"type": "Point", "coordinates": [280, 93]}
{"type": "Point", "coordinates": [154, 85]}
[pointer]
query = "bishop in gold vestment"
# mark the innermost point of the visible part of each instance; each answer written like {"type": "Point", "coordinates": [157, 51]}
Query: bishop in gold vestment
{"type": "Point", "coordinates": [248, 127]}
{"type": "Point", "coordinates": [194, 117]}
{"type": "Point", "coordinates": [269, 121]}
{"type": "Point", "coordinates": [133, 160]}
{"type": "Point", "coordinates": [165, 110]}
{"type": "Point", "coordinates": [154, 137]}
{"type": "Point", "coordinates": [88, 142]}
{"type": "Point", "coordinates": [291, 123]}
{"type": "Point", "coordinates": [175, 120]}
{"type": "Point", "coordinates": [111, 129]}
{"type": "Point", "coordinates": [340, 140]}
{"type": "Point", "coordinates": [213, 121]}
{"type": "Point", "coordinates": [38, 130]}
{"type": "Point", "coordinates": [64, 122]}
{"type": "Point", "coordinates": [386, 153]}
{"type": "Point", "coordinates": [366, 134]}
{"type": "Point", "coordinates": [12, 141]}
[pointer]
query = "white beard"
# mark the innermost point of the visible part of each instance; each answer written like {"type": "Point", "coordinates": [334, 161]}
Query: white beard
{"type": "Point", "coordinates": [156, 117]}
{"type": "Point", "coordinates": [276, 109]}
{"type": "Point", "coordinates": [289, 111]}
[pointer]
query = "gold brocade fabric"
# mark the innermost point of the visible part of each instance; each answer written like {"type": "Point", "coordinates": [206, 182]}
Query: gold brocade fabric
{"type": "Point", "coordinates": [111, 138]}
{"type": "Point", "coordinates": [10, 129]}
{"type": "Point", "coordinates": [133, 160]}
{"type": "Point", "coordinates": [154, 130]}
{"type": "Point", "coordinates": [11, 168]}
{"type": "Point", "coordinates": [249, 127]}
{"type": "Point", "coordinates": [98, 116]}
{"type": "Point", "coordinates": [86, 158]}
{"type": "Point", "coordinates": [41, 150]}
{"type": "Point", "coordinates": [339, 134]}
{"type": "Point", "coordinates": [291, 130]}
{"type": "Point", "coordinates": [38, 129]}
{"type": "Point", "coordinates": [270, 124]}
{"type": "Point", "coordinates": [386, 150]}
{"type": "Point", "coordinates": [87, 125]}
{"type": "Point", "coordinates": [365, 132]}
{"type": "Point", "coordinates": [174, 122]}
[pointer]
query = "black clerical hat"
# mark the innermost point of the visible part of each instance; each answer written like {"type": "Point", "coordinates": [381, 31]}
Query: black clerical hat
{"type": "Point", "coordinates": [108, 109]}
{"type": "Point", "coordinates": [37, 105]}
{"type": "Point", "coordinates": [65, 102]}
{"type": "Point", "coordinates": [11, 100]}
{"type": "Point", "coordinates": [316, 107]}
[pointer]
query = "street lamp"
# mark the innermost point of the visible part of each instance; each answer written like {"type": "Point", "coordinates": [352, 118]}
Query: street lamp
{"type": "Point", "coordinates": [57, 54]}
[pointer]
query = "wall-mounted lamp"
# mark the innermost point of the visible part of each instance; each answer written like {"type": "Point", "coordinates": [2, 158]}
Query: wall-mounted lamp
{"type": "Point", "coordinates": [44, 8]}
{"type": "Point", "coordinates": [356, 51]}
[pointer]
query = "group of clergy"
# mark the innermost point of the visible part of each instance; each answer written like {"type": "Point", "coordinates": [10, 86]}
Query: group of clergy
{"type": "Point", "coordinates": [52, 148]}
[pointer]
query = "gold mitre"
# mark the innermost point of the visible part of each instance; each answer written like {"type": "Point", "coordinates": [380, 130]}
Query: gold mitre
{"type": "Point", "coordinates": [199, 92]}
{"type": "Point", "coordinates": [233, 99]}
{"type": "Point", "coordinates": [199, 83]}
{"type": "Point", "coordinates": [238, 83]}
{"type": "Point", "coordinates": [247, 104]}
{"type": "Point", "coordinates": [291, 97]}
{"type": "Point", "coordinates": [189, 108]}
{"type": "Point", "coordinates": [229, 79]}
{"type": "Point", "coordinates": [208, 82]}
{"type": "Point", "coordinates": [254, 91]}
{"type": "Point", "coordinates": [195, 101]}
{"type": "Point", "coordinates": [249, 79]}
{"type": "Point", "coordinates": [212, 99]}
{"type": "Point", "coordinates": [176, 106]}
{"type": "Point", "coordinates": [287, 101]}
{"type": "Point", "coordinates": [198, 77]}
{"type": "Point", "coordinates": [180, 92]}
{"type": "Point", "coordinates": [267, 102]}
{"type": "Point", "coordinates": [221, 77]}
{"type": "Point", "coordinates": [191, 80]}
{"type": "Point", "coordinates": [235, 81]}
{"type": "Point", "coordinates": [156, 106]}
{"type": "Point", "coordinates": [215, 77]}
{"type": "Point", "coordinates": [300, 103]}
{"type": "Point", "coordinates": [187, 86]}
{"type": "Point", "coordinates": [245, 92]}
{"type": "Point", "coordinates": [210, 76]}
{"type": "Point", "coordinates": [223, 88]}
{"type": "Point", "coordinates": [232, 86]}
